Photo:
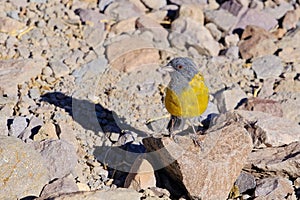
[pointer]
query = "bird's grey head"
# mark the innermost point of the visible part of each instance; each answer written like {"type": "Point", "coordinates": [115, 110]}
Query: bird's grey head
{"type": "Point", "coordinates": [183, 66]}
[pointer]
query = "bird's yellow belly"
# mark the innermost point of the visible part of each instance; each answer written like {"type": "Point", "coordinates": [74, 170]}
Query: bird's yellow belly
{"type": "Point", "coordinates": [191, 102]}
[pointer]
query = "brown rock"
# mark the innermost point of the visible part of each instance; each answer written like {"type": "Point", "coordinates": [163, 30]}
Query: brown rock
{"type": "Point", "coordinates": [14, 72]}
{"type": "Point", "coordinates": [47, 131]}
{"type": "Point", "coordinates": [269, 130]}
{"type": "Point", "coordinates": [290, 19]}
{"type": "Point", "coordinates": [290, 45]}
{"type": "Point", "coordinates": [263, 105]}
{"type": "Point", "coordinates": [193, 11]}
{"type": "Point", "coordinates": [274, 188]}
{"type": "Point", "coordinates": [112, 194]}
{"type": "Point", "coordinates": [131, 53]}
{"type": "Point", "coordinates": [124, 26]}
{"type": "Point", "coordinates": [276, 161]}
{"type": "Point", "coordinates": [207, 172]}
{"type": "Point", "coordinates": [256, 42]}
{"type": "Point", "coordinates": [141, 175]}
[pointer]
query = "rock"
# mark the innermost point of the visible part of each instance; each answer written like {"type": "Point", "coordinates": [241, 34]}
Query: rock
{"type": "Point", "coordinates": [290, 47]}
{"type": "Point", "coordinates": [180, 2]}
{"type": "Point", "coordinates": [47, 71]}
{"type": "Point", "coordinates": [263, 105]}
{"type": "Point", "coordinates": [112, 194]}
{"type": "Point", "coordinates": [34, 93]}
{"type": "Point", "coordinates": [215, 32]}
{"type": "Point", "coordinates": [102, 4]}
{"type": "Point", "coordinates": [11, 26]}
{"type": "Point", "coordinates": [59, 186]}
{"type": "Point", "coordinates": [154, 4]}
{"type": "Point", "coordinates": [47, 131]}
{"type": "Point", "coordinates": [187, 32]}
{"type": "Point", "coordinates": [14, 72]}
{"type": "Point", "coordinates": [60, 157]}
{"type": "Point", "coordinates": [290, 20]}
{"type": "Point", "coordinates": [278, 10]}
{"type": "Point", "coordinates": [222, 18]}
{"type": "Point", "coordinates": [270, 130]}
{"type": "Point", "coordinates": [210, 170]}
{"type": "Point", "coordinates": [131, 53]}
{"type": "Point", "coordinates": [121, 10]}
{"type": "Point", "coordinates": [245, 182]}
{"type": "Point", "coordinates": [18, 125]}
{"type": "Point", "coordinates": [268, 66]}
{"type": "Point", "coordinates": [232, 52]}
{"type": "Point", "coordinates": [230, 98]}
{"type": "Point", "coordinates": [59, 68]}
{"type": "Point", "coordinates": [67, 134]}
{"type": "Point", "coordinates": [5, 111]}
{"type": "Point", "coordinates": [124, 26]}
{"type": "Point", "coordinates": [276, 161]}
{"type": "Point", "coordinates": [232, 6]}
{"type": "Point", "coordinates": [232, 40]}
{"type": "Point", "coordinates": [267, 88]}
{"type": "Point", "coordinates": [256, 42]}
{"type": "Point", "coordinates": [32, 128]}
{"type": "Point", "coordinates": [193, 11]}
{"type": "Point", "coordinates": [141, 175]}
{"type": "Point", "coordinates": [22, 166]}
{"type": "Point", "coordinates": [252, 17]}
{"type": "Point", "coordinates": [274, 188]}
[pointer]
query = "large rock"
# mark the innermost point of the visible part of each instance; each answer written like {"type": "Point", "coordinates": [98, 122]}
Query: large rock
{"type": "Point", "coordinates": [269, 130]}
{"type": "Point", "coordinates": [208, 171]}
{"type": "Point", "coordinates": [14, 72]}
{"type": "Point", "coordinates": [112, 194]}
{"type": "Point", "coordinates": [268, 66]}
{"type": "Point", "coordinates": [22, 169]}
{"type": "Point", "coordinates": [131, 53]}
{"type": "Point", "coordinates": [256, 42]}
{"type": "Point", "coordinates": [276, 161]}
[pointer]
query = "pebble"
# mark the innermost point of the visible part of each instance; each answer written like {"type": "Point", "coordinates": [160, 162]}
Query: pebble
{"type": "Point", "coordinates": [18, 126]}
{"type": "Point", "coordinates": [269, 66]}
{"type": "Point", "coordinates": [155, 4]}
{"type": "Point", "coordinates": [59, 68]}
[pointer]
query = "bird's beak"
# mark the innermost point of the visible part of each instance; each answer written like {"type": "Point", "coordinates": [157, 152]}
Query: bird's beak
{"type": "Point", "coordinates": [168, 68]}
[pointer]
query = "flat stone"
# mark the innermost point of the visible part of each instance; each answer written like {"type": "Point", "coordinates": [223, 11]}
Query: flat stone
{"type": "Point", "coordinates": [22, 166]}
{"type": "Point", "coordinates": [154, 4]}
{"type": "Point", "coordinates": [270, 130]}
{"type": "Point", "coordinates": [60, 157]}
{"type": "Point", "coordinates": [290, 19]}
{"type": "Point", "coordinates": [59, 186]}
{"type": "Point", "coordinates": [47, 131]}
{"type": "Point", "coordinates": [113, 194]}
{"type": "Point", "coordinates": [18, 126]}
{"type": "Point", "coordinates": [268, 66]}
{"type": "Point", "coordinates": [279, 10]}
{"type": "Point", "coordinates": [252, 17]}
{"type": "Point", "coordinates": [59, 68]}
{"type": "Point", "coordinates": [219, 160]}
{"type": "Point", "coordinates": [256, 42]}
{"type": "Point", "coordinates": [121, 10]}
{"type": "Point", "coordinates": [14, 72]}
{"type": "Point", "coordinates": [245, 182]}
{"type": "Point", "coordinates": [230, 98]}
{"type": "Point", "coordinates": [274, 188]}
{"type": "Point", "coordinates": [141, 175]}
{"type": "Point", "coordinates": [131, 53]}
{"type": "Point", "coordinates": [263, 105]}
{"type": "Point", "coordinates": [275, 161]}
{"type": "Point", "coordinates": [124, 26]}
{"type": "Point", "coordinates": [222, 18]}
{"type": "Point", "coordinates": [290, 47]}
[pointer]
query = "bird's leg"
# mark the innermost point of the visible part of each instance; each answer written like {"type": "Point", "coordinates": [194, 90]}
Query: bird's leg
{"type": "Point", "coordinates": [156, 119]}
{"type": "Point", "coordinates": [194, 136]}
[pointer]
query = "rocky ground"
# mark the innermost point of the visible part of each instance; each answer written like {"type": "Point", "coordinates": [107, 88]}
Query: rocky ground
{"type": "Point", "coordinates": [79, 79]}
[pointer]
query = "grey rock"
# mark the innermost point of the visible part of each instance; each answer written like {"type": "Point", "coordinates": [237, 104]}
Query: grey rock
{"type": "Point", "coordinates": [103, 4]}
{"type": "Point", "coordinates": [290, 19]}
{"type": "Point", "coordinates": [267, 66]}
{"type": "Point", "coordinates": [279, 10]}
{"type": "Point", "coordinates": [215, 32]}
{"type": "Point", "coordinates": [59, 186]}
{"type": "Point", "coordinates": [34, 93]}
{"type": "Point", "coordinates": [24, 51]}
{"type": "Point", "coordinates": [18, 126]}
{"type": "Point", "coordinates": [274, 188]}
{"type": "Point", "coordinates": [5, 112]}
{"type": "Point", "coordinates": [180, 2]}
{"type": "Point", "coordinates": [245, 182]}
{"type": "Point", "coordinates": [228, 99]}
{"type": "Point", "coordinates": [59, 68]}
{"type": "Point", "coordinates": [232, 52]}
{"type": "Point", "coordinates": [155, 4]}
{"type": "Point", "coordinates": [222, 18]}
{"type": "Point", "coordinates": [121, 10]}
{"type": "Point", "coordinates": [232, 6]}
{"type": "Point", "coordinates": [253, 17]}
{"type": "Point", "coordinates": [22, 166]}
{"type": "Point", "coordinates": [60, 157]}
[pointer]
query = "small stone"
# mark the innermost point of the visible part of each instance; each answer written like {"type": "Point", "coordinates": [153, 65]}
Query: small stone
{"type": "Point", "coordinates": [215, 32]}
{"type": "Point", "coordinates": [18, 126]}
{"type": "Point", "coordinates": [47, 131]}
{"type": "Point", "coordinates": [122, 10]}
{"type": "Point", "coordinates": [126, 25]}
{"type": "Point", "coordinates": [59, 186]}
{"type": "Point", "coordinates": [256, 42]}
{"type": "Point", "coordinates": [245, 182]}
{"type": "Point", "coordinates": [231, 40]}
{"type": "Point", "coordinates": [34, 93]}
{"type": "Point", "coordinates": [193, 11]}
{"type": "Point", "coordinates": [232, 52]}
{"type": "Point", "coordinates": [290, 20]}
{"type": "Point", "coordinates": [114, 137]}
{"type": "Point", "coordinates": [10, 26]}
{"type": "Point", "coordinates": [47, 71]}
{"type": "Point", "coordinates": [141, 175]}
{"type": "Point", "coordinates": [230, 98]}
{"type": "Point", "coordinates": [268, 66]}
{"type": "Point", "coordinates": [232, 6]}
{"type": "Point", "coordinates": [222, 18]}
{"type": "Point", "coordinates": [154, 4]}
{"type": "Point", "coordinates": [59, 68]}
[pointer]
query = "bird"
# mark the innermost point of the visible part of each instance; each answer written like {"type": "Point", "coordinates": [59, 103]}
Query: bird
{"type": "Point", "coordinates": [186, 95]}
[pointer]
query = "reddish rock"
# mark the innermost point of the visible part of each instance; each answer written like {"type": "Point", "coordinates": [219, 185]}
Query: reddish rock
{"type": "Point", "coordinates": [256, 42]}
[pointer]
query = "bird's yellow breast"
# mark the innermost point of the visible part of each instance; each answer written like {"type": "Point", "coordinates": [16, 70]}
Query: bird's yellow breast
{"type": "Point", "coordinates": [192, 101]}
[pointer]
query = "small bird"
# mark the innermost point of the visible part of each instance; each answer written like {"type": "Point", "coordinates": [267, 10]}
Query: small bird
{"type": "Point", "coordinates": [187, 95]}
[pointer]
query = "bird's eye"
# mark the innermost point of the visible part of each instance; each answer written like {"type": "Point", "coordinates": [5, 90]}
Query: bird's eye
{"type": "Point", "coordinates": [179, 66]}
